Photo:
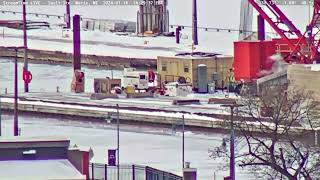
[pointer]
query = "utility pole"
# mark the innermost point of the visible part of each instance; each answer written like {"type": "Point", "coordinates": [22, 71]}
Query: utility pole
{"type": "Point", "coordinates": [25, 67]}
{"type": "Point", "coordinates": [232, 158]}
{"type": "Point", "coordinates": [0, 117]}
{"type": "Point", "coordinates": [15, 106]}
{"type": "Point", "coordinates": [67, 17]}
{"type": "Point", "coordinates": [76, 43]}
{"type": "Point", "coordinates": [183, 141]}
{"type": "Point", "coordinates": [118, 142]}
{"type": "Point", "coordinates": [15, 120]}
{"type": "Point", "coordinates": [194, 22]}
{"type": "Point", "coordinates": [232, 137]}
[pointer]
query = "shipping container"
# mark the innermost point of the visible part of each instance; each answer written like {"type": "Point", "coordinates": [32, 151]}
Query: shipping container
{"type": "Point", "coordinates": [247, 59]}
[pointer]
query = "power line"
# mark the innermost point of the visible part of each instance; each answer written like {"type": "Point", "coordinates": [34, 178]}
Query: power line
{"type": "Point", "coordinates": [218, 29]}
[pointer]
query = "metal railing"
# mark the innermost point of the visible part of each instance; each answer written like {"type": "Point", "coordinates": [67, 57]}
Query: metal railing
{"type": "Point", "coordinates": [128, 172]}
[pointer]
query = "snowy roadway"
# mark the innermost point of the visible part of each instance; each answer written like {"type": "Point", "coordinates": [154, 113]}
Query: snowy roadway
{"type": "Point", "coordinates": [159, 148]}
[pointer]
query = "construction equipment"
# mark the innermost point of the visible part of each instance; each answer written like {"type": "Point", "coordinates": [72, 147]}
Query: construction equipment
{"type": "Point", "coordinates": [142, 80]}
{"type": "Point", "coordinates": [106, 85]}
{"type": "Point", "coordinates": [138, 79]}
{"type": "Point", "coordinates": [177, 89]}
{"type": "Point", "coordinates": [304, 47]}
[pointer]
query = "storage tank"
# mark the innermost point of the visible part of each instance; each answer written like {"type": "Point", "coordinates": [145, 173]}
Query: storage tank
{"type": "Point", "coordinates": [202, 78]}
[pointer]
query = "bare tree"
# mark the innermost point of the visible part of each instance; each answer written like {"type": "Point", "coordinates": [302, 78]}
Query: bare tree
{"type": "Point", "coordinates": [278, 129]}
{"type": "Point", "coordinates": [280, 132]}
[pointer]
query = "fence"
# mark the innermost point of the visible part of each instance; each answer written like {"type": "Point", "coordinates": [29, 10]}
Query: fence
{"type": "Point", "coordinates": [128, 172]}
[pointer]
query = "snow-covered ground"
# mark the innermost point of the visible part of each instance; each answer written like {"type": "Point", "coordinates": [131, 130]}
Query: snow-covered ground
{"type": "Point", "coordinates": [159, 148]}
{"type": "Point", "coordinates": [110, 44]}
{"type": "Point", "coordinates": [47, 77]}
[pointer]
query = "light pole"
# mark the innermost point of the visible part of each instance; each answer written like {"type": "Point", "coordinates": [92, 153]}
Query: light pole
{"type": "Point", "coordinates": [0, 116]}
{"type": "Point", "coordinates": [232, 137]}
{"type": "Point", "coordinates": [118, 143]}
{"type": "Point", "coordinates": [15, 119]}
{"type": "Point", "coordinates": [183, 141]}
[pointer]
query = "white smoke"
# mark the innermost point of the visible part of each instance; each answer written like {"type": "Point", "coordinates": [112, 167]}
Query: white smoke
{"type": "Point", "coordinates": [278, 65]}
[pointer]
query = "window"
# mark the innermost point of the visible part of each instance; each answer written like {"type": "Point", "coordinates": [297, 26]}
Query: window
{"type": "Point", "coordinates": [164, 66]}
{"type": "Point", "coordinates": [186, 68]}
{"type": "Point", "coordinates": [142, 76]}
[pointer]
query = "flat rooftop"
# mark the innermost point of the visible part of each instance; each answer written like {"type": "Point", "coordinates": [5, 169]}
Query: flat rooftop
{"type": "Point", "coordinates": [38, 169]}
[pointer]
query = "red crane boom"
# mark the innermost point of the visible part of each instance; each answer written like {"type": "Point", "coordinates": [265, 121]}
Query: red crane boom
{"type": "Point", "coordinates": [306, 46]}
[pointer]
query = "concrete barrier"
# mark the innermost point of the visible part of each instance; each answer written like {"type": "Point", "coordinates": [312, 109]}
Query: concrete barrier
{"type": "Point", "coordinates": [185, 101]}
{"type": "Point", "coordinates": [101, 96]}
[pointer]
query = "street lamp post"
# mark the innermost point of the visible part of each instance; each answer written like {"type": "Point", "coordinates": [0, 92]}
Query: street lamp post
{"type": "Point", "coordinates": [15, 119]}
{"type": "Point", "coordinates": [118, 143]}
{"type": "Point", "coordinates": [0, 116]}
{"type": "Point", "coordinates": [232, 137]}
{"type": "Point", "coordinates": [183, 141]}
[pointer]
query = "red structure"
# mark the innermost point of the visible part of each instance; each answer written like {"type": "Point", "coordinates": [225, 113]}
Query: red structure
{"type": "Point", "coordinates": [77, 84]}
{"type": "Point", "coordinates": [268, 49]}
{"type": "Point", "coordinates": [251, 57]}
{"type": "Point", "coordinates": [246, 59]}
{"type": "Point", "coordinates": [26, 76]}
{"type": "Point", "coordinates": [305, 50]}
